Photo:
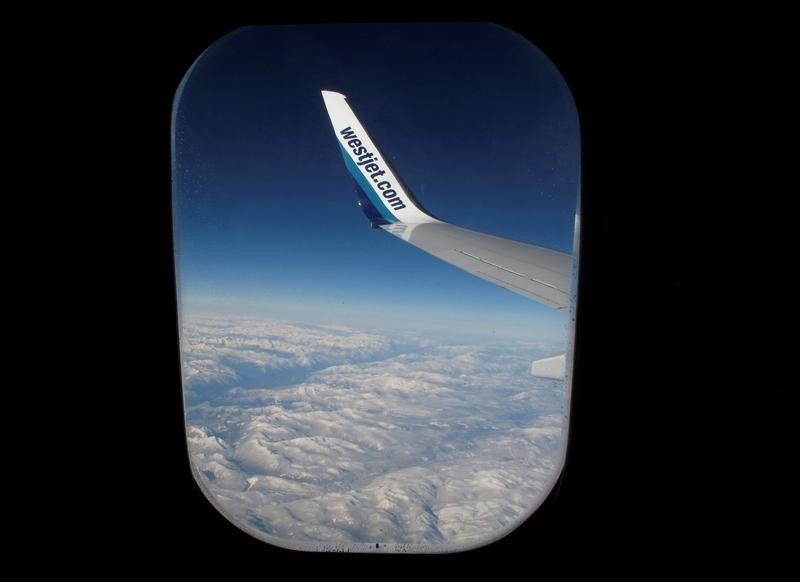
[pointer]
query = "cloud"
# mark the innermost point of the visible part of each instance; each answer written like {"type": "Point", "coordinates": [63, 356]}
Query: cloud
{"type": "Point", "coordinates": [219, 353]}
{"type": "Point", "coordinates": [421, 444]}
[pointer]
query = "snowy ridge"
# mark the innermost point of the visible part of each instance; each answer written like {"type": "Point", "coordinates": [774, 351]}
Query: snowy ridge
{"type": "Point", "coordinates": [445, 444]}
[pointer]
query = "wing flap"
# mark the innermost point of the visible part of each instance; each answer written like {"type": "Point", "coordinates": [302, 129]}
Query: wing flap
{"type": "Point", "coordinates": [554, 367]}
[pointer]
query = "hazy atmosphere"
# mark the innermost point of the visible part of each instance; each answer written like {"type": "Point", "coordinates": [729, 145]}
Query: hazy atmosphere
{"type": "Point", "coordinates": [342, 386]}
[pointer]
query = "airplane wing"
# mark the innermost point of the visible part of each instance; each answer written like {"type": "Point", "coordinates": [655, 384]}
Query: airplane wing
{"type": "Point", "coordinates": [535, 272]}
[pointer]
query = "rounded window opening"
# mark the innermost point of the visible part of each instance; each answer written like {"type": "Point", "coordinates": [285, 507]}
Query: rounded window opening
{"type": "Point", "coordinates": [376, 240]}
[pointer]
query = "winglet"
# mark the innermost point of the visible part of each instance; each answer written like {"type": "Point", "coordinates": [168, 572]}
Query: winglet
{"type": "Point", "coordinates": [383, 197]}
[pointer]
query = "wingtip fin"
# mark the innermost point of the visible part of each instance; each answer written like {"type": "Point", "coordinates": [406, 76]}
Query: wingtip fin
{"type": "Point", "coordinates": [385, 195]}
{"type": "Point", "coordinates": [332, 94]}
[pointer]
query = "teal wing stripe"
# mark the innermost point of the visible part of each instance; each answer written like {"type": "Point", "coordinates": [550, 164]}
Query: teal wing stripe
{"type": "Point", "coordinates": [366, 187]}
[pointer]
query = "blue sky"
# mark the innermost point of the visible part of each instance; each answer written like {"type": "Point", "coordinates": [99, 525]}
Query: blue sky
{"type": "Point", "coordinates": [476, 120]}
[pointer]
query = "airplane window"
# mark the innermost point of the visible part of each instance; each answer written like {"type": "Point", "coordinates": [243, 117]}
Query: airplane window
{"type": "Point", "coordinates": [375, 232]}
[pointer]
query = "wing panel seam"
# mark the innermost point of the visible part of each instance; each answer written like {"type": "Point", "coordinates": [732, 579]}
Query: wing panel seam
{"type": "Point", "coordinates": [524, 276]}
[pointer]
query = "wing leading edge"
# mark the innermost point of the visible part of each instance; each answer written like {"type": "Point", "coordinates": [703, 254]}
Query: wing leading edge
{"type": "Point", "coordinates": [538, 273]}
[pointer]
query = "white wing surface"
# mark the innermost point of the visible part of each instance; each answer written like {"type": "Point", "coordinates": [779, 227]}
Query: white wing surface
{"type": "Point", "coordinates": [538, 273]}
